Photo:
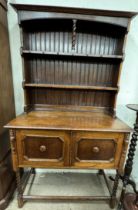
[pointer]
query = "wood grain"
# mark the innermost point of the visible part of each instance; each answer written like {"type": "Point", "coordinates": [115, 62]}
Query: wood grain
{"type": "Point", "coordinates": [109, 149]}
{"type": "Point", "coordinates": [7, 112]}
{"type": "Point", "coordinates": [72, 60]}
{"type": "Point", "coordinates": [50, 62]}
{"type": "Point", "coordinates": [55, 155]}
{"type": "Point", "coordinates": [69, 120]}
{"type": "Point", "coordinates": [71, 10]}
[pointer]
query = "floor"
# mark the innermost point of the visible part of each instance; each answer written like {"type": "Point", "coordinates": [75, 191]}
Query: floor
{"type": "Point", "coordinates": [65, 183]}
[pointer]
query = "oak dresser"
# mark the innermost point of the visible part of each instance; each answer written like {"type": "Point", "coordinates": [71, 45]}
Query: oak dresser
{"type": "Point", "coordinates": [72, 61]}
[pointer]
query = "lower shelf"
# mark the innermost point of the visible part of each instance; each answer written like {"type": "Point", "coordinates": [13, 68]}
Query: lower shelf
{"type": "Point", "coordinates": [109, 196]}
{"type": "Point", "coordinates": [66, 198]}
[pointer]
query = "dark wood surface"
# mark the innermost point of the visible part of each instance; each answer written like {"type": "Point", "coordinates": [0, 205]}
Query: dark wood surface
{"type": "Point", "coordinates": [70, 54]}
{"type": "Point", "coordinates": [83, 87]}
{"type": "Point", "coordinates": [67, 149]}
{"type": "Point", "coordinates": [129, 202]}
{"type": "Point", "coordinates": [69, 120]}
{"type": "Point", "coordinates": [3, 3]}
{"type": "Point", "coordinates": [96, 149]}
{"type": "Point", "coordinates": [72, 62]}
{"type": "Point", "coordinates": [6, 86]}
{"type": "Point", "coordinates": [7, 176]}
{"type": "Point", "coordinates": [39, 148]}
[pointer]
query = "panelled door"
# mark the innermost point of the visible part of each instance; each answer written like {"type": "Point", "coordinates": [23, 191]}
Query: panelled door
{"type": "Point", "coordinates": [96, 149]}
{"type": "Point", "coordinates": [38, 148]}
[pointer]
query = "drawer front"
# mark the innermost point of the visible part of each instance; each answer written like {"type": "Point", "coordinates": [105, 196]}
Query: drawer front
{"type": "Point", "coordinates": [43, 148]}
{"type": "Point", "coordinates": [96, 149]}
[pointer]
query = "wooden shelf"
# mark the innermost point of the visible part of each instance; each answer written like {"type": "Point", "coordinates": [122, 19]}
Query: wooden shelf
{"type": "Point", "coordinates": [36, 52]}
{"type": "Point", "coordinates": [67, 63]}
{"type": "Point", "coordinates": [79, 87]}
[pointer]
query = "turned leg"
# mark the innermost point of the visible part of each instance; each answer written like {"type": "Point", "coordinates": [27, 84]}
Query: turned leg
{"type": "Point", "coordinates": [136, 201]}
{"type": "Point", "coordinates": [33, 171]}
{"type": "Point", "coordinates": [129, 164]}
{"type": "Point", "coordinates": [19, 189]}
{"type": "Point", "coordinates": [100, 172]}
{"type": "Point", "coordinates": [114, 191]}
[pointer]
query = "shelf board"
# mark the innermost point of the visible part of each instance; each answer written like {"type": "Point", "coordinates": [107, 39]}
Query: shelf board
{"type": "Point", "coordinates": [79, 87]}
{"type": "Point", "coordinates": [33, 52]}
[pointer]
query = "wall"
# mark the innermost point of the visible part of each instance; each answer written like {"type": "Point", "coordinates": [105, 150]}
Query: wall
{"type": "Point", "coordinates": [129, 78]}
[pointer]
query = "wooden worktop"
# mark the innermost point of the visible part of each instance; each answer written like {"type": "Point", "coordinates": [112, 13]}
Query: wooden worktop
{"type": "Point", "coordinates": [68, 120]}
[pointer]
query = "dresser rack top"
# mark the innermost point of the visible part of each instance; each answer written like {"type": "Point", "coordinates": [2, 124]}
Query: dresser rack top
{"type": "Point", "coordinates": [113, 13]}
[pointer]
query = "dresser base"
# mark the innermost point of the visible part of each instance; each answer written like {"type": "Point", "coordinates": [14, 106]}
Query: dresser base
{"type": "Point", "coordinates": [21, 185]}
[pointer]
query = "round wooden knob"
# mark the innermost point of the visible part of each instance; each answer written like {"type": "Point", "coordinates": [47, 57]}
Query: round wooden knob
{"type": "Point", "coordinates": [95, 149]}
{"type": "Point", "coordinates": [42, 148]}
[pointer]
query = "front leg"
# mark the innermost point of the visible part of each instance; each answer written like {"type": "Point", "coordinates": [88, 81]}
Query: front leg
{"type": "Point", "coordinates": [114, 191]}
{"type": "Point", "coordinates": [19, 189]}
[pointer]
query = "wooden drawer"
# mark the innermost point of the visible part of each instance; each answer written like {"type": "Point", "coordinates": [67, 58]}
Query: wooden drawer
{"type": "Point", "coordinates": [96, 149]}
{"type": "Point", "coordinates": [43, 148]}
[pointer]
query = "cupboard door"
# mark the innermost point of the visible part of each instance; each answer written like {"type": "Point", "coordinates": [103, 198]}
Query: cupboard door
{"type": "Point", "coordinates": [37, 148]}
{"type": "Point", "coordinates": [96, 149]}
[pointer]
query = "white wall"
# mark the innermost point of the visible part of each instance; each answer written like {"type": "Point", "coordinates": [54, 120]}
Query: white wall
{"type": "Point", "coordinates": [129, 78]}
